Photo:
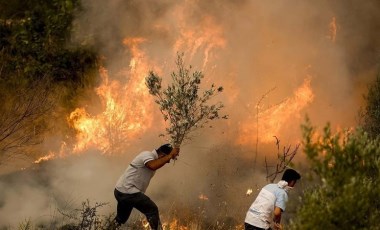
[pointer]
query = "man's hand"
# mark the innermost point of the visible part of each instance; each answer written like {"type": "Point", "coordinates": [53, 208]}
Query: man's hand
{"type": "Point", "coordinates": [174, 153]}
{"type": "Point", "coordinates": [277, 226]}
{"type": "Point", "coordinates": [162, 159]}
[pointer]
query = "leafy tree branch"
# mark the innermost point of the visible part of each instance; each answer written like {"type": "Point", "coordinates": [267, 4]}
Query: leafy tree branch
{"type": "Point", "coordinates": [182, 103]}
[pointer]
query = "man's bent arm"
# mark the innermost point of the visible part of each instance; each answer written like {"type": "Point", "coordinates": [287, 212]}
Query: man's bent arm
{"type": "Point", "coordinates": [158, 163]}
{"type": "Point", "coordinates": [277, 214]}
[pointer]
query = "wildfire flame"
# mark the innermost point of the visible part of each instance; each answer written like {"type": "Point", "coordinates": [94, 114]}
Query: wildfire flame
{"type": "Point", "coordinates": [126, 108]}
{"type": "Point", "coordinates": [174, 224]}
{"type": "Point", "coordinates": [249, 192]}
{"type": "Point", "coordinates": [272, 119]}
{"type": "Point", "coordinates": [51, 155]}
{"type": "Point", "coordinates": [207, 36]}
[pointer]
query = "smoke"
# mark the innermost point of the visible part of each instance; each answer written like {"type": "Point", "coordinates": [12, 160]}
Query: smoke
{"type": "Point", "coordinates": [253, 49]}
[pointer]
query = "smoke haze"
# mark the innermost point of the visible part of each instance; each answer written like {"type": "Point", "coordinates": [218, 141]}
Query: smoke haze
{"type": "Point", "coordinates": [261, 52]}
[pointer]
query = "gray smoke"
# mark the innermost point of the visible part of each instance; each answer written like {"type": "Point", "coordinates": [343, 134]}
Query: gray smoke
{"type": "Point", "coordinates": [266, 44]}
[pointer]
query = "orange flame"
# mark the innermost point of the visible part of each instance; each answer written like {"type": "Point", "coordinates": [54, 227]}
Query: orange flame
{"type": "Point", "coordinates": [207, 36]}
{"type": "Point", "coordinates": [272, 119]}
{"type": "Point", "coordinates": [50, 156]}
{"type": "Point", "coordinates": [126, 106]}
{"type": "Point", "coordinates": [174, 224]}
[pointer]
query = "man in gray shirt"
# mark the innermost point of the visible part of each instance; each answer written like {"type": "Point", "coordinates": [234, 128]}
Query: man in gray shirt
{"type": "Point", "coordinates": [132, 184]}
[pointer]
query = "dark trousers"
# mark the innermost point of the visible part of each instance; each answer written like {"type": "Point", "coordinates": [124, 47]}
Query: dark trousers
{"type": "Point", "coordinates": [126, 202]}
{"type": "Point", "coordinates": [251, 227]}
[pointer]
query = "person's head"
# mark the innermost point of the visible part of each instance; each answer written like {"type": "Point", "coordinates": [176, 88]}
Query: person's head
{"type": "Point", "coordinates": [291, 176]}
{"type": "Point", "coordinates": [164, 149]}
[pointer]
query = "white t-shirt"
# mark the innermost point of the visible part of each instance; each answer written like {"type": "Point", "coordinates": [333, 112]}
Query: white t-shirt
{"type": "Point", "coordinates": [137, 176]}
{"type": "Point", "coordinates": [261, 211]}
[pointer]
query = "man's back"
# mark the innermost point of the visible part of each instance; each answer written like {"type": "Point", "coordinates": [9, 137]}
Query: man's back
{"type": "Point", "coordinates": [260, 212]}
{"type": "Point", "coordinates": [136, 177]}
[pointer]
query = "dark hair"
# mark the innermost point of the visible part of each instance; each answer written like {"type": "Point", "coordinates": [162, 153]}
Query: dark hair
{"type": "Point", "coordinates": [290, 174]}
{"type": "Point", "coordinates": [165, 149]}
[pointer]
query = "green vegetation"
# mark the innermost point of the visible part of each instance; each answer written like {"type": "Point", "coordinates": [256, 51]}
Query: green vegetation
{"type": "Point", "coordinates": [42, 73]}
{"type": "Point", "coordinates": [346, 167]}
{"type": "Point", "coordinates": [40, 70]}
{"type": "Point", "coordinates": [181, 102]}
{"type": "Point", "coordinates": [371, 115]}
{"type": "Point", "coordinates": [35, 42]}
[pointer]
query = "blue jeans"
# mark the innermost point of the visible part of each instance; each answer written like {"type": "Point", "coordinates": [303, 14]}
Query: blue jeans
{"type": "Point", "coordinates": [126, 202]}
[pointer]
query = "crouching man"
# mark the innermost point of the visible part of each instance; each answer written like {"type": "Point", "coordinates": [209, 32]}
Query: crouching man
{"type": "Point", "coordinates": [271, 202]}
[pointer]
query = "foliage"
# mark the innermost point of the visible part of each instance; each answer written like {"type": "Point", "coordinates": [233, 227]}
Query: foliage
{"type": "Point", "coordinates": [347, 168]}
{"type": "Point", "coordinates": [182, 104]}
{"type": "Point", "coordinates": [35, 44]}
{"type": "Point", "coordinates": [26, 225]}
{"type": "Point", "coordinates": [40, 70]}
{"type": "Point", "coordinates": [371, 115]}
{"type": "Point", "coordinates": [88, 218]}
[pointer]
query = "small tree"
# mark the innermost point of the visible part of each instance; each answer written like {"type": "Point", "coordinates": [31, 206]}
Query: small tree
{"type": "Point", "coordinates": [23, 118]}
{"type": "Point", "coordinates": [181, 102]}
{"type": "Point", "coordinates": [347, 169]}
{"type": "Point", "coordinates": [284, 160]}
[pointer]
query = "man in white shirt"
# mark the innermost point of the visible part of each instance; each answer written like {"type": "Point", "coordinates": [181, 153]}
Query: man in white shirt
{"type": "Point", "coordinates": [132, 184]}
{"type": "Point", "coordinates": [271, 201]}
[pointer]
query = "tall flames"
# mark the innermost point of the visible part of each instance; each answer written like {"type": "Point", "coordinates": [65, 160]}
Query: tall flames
{"type": "Point", "coordinates": [207, 36]}
{"type": "Point", "coordinates": [125, 109]}
{"type": "Point", "coordinates": [125, 104]}
{"type": "Point", "coordinates": [268, 123]}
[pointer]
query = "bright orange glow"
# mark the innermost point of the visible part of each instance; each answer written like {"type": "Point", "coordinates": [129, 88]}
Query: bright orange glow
{"type": "Point", "coordinates": [206, 36]}
{"type": "Point", "coordinates": [272, 119]}
{"type": "Point", "coordinates": [126, 108]}
{"type": "Point", "coordinates": [50, 156]}
{"type": "Point", "coordinates": [174, 224]}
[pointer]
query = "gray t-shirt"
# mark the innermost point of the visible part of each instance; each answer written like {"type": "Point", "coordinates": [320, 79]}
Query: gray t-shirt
{"type": "Point", "coordinates": [137, 176]}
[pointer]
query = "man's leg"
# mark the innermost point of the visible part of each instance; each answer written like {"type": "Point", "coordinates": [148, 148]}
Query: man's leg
{"type": "Point", "coordinates": [145, 205]}
{"type": "Point", "coordinates": [251, 227]}
{"type": "Point", "coordinates": [124, 207]}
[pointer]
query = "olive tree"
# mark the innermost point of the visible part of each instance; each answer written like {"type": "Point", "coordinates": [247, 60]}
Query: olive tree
{"type": "Point", "coordinates": [182, 103]}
